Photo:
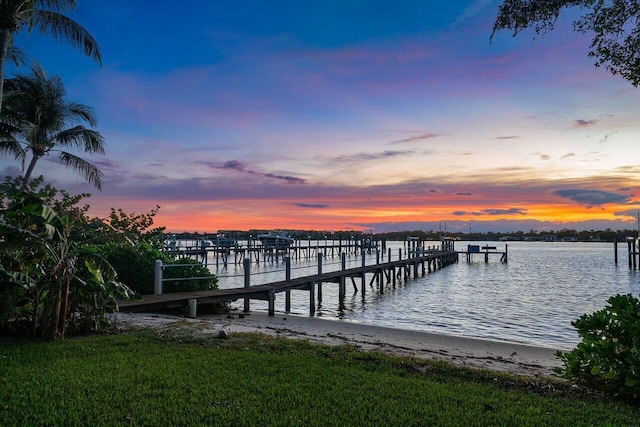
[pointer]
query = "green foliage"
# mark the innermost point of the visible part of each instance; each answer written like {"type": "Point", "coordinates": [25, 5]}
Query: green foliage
{"type": "Point", "coordinates": [136, 227]}
{"type": "Point", "coordinates": [614, 25]}
{"type": "Point", "coordinates": [48, 281]}
{"type": "Point", "coordinates": [134, 263]}
{"type": "Point", "coordinates": [135, 267]}
{"type": "Point", "coordinates": [608, 358]}
{"type": "Point", "coordinates": [196, 269]}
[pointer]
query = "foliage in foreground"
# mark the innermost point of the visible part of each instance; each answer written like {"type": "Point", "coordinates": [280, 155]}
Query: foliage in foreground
{"type": "Point", "coordinates": [61, 270]}
{"type": "Point", "coordinates": [608, 357]}
{"type": "Point", "coordinates": [614, 25]}
{"type": "Point", "coordinates": [135, 266]}
{"type": "Point", "coordinates": [48, 281]}
{"type": "Point", "coordinates": [250, 379]}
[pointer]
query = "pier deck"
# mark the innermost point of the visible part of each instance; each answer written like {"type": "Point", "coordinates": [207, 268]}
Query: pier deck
{"type": "Point", "coordinates": [424, 262]}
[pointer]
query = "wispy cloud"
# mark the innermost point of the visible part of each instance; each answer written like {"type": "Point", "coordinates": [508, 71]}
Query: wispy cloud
{"type": "Point", "coordinates": [238, 166]}
{"type": "Point", "coordinates": [360, 157]}
{"type": "Point", "coordinates": [312, 205]}
{"type": "Point", "coordinates": [591, 198]}
{"type": "Point", "coordinates": [416, 138]}
{"type": "Point", "coordinates": [492, 212]}
{"type": "Point", "coordinates": [581, 123]}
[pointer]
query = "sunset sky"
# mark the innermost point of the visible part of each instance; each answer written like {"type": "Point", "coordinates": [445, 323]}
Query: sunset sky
{"type": "Point", "coordinates": [346, 115]}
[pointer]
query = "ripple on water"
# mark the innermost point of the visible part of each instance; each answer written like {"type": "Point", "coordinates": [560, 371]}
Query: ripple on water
{"type": "Point", "coordinates": [532, 299]}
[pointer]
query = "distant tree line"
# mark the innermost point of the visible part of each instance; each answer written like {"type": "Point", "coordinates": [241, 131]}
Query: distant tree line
{"type": "Point", "coordinates": [564, 234]}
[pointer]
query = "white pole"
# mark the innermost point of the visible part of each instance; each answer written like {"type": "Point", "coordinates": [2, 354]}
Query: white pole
{"type": "Point", "coordinates": [193, 306]}
{"type": "Point", "coordinates": [157, 277]}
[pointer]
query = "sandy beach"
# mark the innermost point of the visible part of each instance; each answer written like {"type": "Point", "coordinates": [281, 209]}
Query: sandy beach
{"type": "Point", "coordinates": [477, 353]}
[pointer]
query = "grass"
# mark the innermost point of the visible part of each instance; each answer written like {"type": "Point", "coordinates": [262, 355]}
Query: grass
{"type": "Point", "coordinates": [250, 379]}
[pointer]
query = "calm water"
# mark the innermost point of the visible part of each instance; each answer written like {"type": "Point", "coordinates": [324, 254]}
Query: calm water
{"type": "Point", "coordinates": [531, 299]}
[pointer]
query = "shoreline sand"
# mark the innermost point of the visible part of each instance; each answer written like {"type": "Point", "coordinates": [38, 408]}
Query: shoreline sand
{"type": "Point", "coordinates": [514, 358]}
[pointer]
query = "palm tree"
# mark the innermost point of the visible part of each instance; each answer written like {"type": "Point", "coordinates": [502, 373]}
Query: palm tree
{"type": "Point", "coordinates": [36, 119]}
{"type": "Point", "coordinates": [46, 17]}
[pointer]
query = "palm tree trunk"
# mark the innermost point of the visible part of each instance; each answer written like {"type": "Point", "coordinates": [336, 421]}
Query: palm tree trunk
{"type": "Point", "coordinates": [52, 333]}
{"type": "Point", "coordinates": [5, 37]}
{"type": "Point", "coordinates": [27, 175]}
{"type": "Point", "coordinates": [4, 47]}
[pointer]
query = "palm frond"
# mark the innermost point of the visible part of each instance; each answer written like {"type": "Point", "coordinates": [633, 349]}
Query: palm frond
{"type": "Point", "coordinates": [82, 138]}
{"type": "Point", "coordinates": [82, 112]}
{"type": "Point", "coordinates": [60, 26]}
{"type": "Point", "coordinates": [58, 5]}
{"type": "Point", "coordinates": [17, 55]}
{"type": "Point", "coordinates": [13, 147]}
{"type": "Point", "coordinates": [90, 172]}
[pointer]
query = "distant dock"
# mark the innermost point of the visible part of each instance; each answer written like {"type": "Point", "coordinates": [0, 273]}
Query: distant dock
{"type": "Point", "coordinates": [486, 251]}
{"type": "Point", "coordinates": [256, 252]}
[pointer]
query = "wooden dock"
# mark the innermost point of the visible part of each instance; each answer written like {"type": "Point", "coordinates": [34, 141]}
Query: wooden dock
{"type": "Point", "coordinates": [485, 251]}
{"type": "Point", "coordinates": [422, 262]}
{"type": "Point", "coordinates": [633, 248]}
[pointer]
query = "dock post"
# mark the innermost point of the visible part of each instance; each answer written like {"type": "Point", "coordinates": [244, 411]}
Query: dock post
{"type": "Point", "coordinates": [389, 258]}
{"type": "Point", "coordinates": [379, 272]}
{"type": "Point", "coordinates": [319, 272]}
{"type": "Point", "coordinates": [272, 303]}
{"type": "Point", "coordinates": [615, 250]}
{"type": "Point", "coordinates": [193, 307]}
{"type": "Point", "coordinates": [341, 284]}
{"type": "Point", "coordinates": [312, 299]}
{"type": "Point", "coordinates": [247, 284]}
{"type": "Point", "coordinates": [287, 301]}
{"type": "Point", "coordinates": [364, 275]}
{"type": "Point", "coordinates": [157, 277]}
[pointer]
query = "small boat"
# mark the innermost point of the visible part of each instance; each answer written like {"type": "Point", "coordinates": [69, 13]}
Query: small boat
{"type": "Point", "coordinates": [276, 239]}
{"type": "Point", "coordinates": [224, 241]}
{"type": "Point", "coordinates": [367, 244]}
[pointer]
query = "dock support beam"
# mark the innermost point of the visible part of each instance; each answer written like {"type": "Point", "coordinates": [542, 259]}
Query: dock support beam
{"type": "Point", "coordinates": [319, 272]}
{"type": "Point", "coordinates": [272, 303]}
{"type": "Point", "coordinates": [247, 283]}
{"type": "Point", "coordinates": [287, 301]}
{"type": "Point", "coordinates": [341, 284]}
{"type": "Point", "coordinates": [312, 299]}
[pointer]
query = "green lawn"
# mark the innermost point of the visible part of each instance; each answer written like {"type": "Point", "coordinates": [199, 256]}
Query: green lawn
{"type": "Point", "coordinates": [250, 379]}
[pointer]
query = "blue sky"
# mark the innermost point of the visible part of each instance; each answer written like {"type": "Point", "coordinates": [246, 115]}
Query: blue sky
{"type": "Point", "coordinates": [347, 115]}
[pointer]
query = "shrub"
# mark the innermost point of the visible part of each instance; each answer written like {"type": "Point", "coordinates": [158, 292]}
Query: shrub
{"type": "Point", "coordinates": [608, 358]}
{"type": "Point", "coordinates": [135, 267]}
{"type": "Point", "coordinates": [194, 270]}
{"type": "Point", "coordinates": [133, 263]}
{"type": "Point", "coordinates": [48, 282]}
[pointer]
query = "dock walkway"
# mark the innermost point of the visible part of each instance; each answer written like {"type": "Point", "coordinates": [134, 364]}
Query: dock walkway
{"type": "Point", "coordinates": [423, 262]}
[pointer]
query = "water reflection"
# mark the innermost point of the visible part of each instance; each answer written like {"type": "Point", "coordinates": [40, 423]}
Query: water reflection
{"type": "Point", "coordinates": [531, 299]}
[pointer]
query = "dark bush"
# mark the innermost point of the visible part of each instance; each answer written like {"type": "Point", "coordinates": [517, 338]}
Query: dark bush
{"type": "Point", "coordinates": [135, 267]}
{"type": "Point", "coordinates": [608, 358]}
{"type": "Point", "coordinates": [195, 269]}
